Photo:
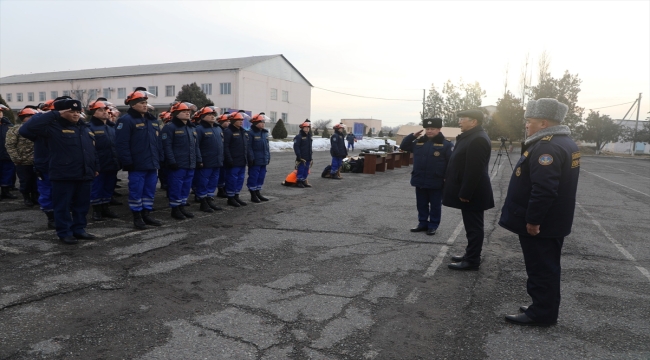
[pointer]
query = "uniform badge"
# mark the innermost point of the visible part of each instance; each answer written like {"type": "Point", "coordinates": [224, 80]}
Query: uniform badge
{"type": "Point", "coordinates": [525, 153]}
{"type": "Point", "coordinates": [518, 171]}
{"type": "Point", "coordinates": [436, 153]}
{"type": "Point", "coordinates": [545, 159]}
{"type": "Point", "coordinates": [120, 126]}
{"type": "Point", "coordinates": [164, 136]}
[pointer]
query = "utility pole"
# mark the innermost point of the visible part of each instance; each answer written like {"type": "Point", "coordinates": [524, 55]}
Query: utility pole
{"type": "Point", "coordinates": [636, 125]}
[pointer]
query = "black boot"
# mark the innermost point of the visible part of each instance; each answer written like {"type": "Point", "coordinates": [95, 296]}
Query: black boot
{"type": "Point", "coordinates": [97, 213]}
{"type": "Point", "coordinates": [5, 194]}
{"type": "Point", "coordinates": [232, 202]}
{"type": "Point", "coordinates": [50, 220]}
{"type": "Point", "coordinates": [146, 217]}
{"type": "Point", "coordinates": [204, 206]}
{"type": "Point", "coordinates": [177, 214]}
{"type": "Point", "coordinates": [301, 184]}
{"type": "Point", "coordinates": [240, 201]}
{"type": "Point", "coordinates": [137, 220]}
{"type": "Point", "coordinates": [107, 212]}
{"type": "Point", "coordinates": [212, 205]}
{"type": "Point", "coordinates": [27, 200]}
{"type": "Point", "coordinates": [184, 211]}
{"type": "Point", "coordinates": [221, 193]}
{"type": "Point", "coordinates": [114, 202]}
{"type": "Point", "coordinates": [254, 197]}
{"type": "Point", "coordinates": [306, 184]}
{"type": "Point", "coordinates": [259, 196]}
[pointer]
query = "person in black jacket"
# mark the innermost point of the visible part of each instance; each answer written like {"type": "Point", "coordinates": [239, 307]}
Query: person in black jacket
{"type": "Point", "coordinates": [223, 121]}
{"type": "Point", "coordinates": [259, 157]}
{"type": "Point", "coordinates": [235, 146]}
{"type": "Point", "coordinates": [540, 205]}
{"type": "Point", "coordinates": [351, 140]}
{"type": "Point", "coordinates": [467, 185]}
{"type": "Point", "coordinates": [302, 147]}
{"type": "Point", "coordinates": [73, 165]}
{"type": "Point", "coordinates": [210, 139]}
{"type": "Point", "coordinates": [338, 151]}
{"type": "Point", "coordinates": [7, 167]}
{"type": "Point", "coordinates": [431, 154]}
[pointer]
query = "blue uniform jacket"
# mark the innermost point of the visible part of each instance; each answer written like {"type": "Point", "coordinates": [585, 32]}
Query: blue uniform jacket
{"type": "Point", "coordinates": [138, 142]}
{"type": "Point", "coordinates": [105, 144]}
{"type": "Point", "coordinates": [337, 146]}
{"type": "Point", "coordinates": [302, 146]}
{"type": "Point", "coordinates": [543, 187]}
{"type": "Point", "coordinates": [210, 139]}
{"type": "Point", "coordinates": [235, 144]}
{"type": "Point", "coordinates": [258, 146]}
{"type": "Point", "coordinates": [180, 144]}
{"type": "Point", "coordinates": [430, 159]}
{"type": "Point", "coordinates": [350, 138]}
{"type": "Point", "coordinates": [5, 124]}
{"type": "Point", "coordinates": [41, 152]}
{"type": "Point", "coordinates": [71, 146]}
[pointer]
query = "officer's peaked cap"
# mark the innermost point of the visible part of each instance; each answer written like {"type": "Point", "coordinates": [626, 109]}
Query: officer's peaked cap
{"type": "Point", "coordinates": [67, 104]}
{"type": "Point", "coordinates": [472, 114]}
{"type": "Point", "coordinates": [545, 108]}
{"type": "Point", "coordinates": [432, 123]}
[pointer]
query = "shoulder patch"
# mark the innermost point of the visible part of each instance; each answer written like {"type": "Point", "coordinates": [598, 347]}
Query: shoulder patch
{"type": "Point", "coordinates": [545, 159]}
{"type": "Point", "coordinates": [526, 153]}
{"type": "Point", "coordinates": [547, 138]}
{"type": "Point", "coordinates": [575, 159]}
{"type": "Point", "coordinates": [120, 126]}
{"type": "Point", "coordinates": [164, 136]}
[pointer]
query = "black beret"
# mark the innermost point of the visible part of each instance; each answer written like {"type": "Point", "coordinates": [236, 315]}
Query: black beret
{"type": "Point", "coordinates": [472, 114]}
{"type": "Point", "coordinates": [67, 104]}
{"type": "Point", "coordinates": [432, 123]}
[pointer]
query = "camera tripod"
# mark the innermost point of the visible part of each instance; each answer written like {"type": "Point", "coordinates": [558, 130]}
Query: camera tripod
{"type": "Point", "coordinates": [502, 148]}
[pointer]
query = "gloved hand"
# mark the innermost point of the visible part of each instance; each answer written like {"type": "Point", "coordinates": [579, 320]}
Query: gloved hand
{"type": "Point", "coordinates": [129, 167]}
{"type": "Point", "coordinates": [199, 165]}
{"type": "Point", "coordinates": [298, 158]}
{"type": "Point", "coordinates": [173, 166]}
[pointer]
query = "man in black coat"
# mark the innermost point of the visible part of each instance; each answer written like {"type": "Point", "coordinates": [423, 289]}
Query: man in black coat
{"type": "Point", "coordinates": [540, 204]}
{"type": "Point", "coordinates": [467, 185]}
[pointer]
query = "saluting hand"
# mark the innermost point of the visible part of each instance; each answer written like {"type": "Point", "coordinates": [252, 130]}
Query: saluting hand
{"type": "Point", "coordinates": [417, 134]}
{"type": "Point", "coordinates": [464, 200]}
{"type": "Point", "coordinates": [532, 229]}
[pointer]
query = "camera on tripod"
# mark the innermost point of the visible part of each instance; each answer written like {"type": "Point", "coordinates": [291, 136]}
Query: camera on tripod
{"type": "Point", "coordinates": [503, 139]}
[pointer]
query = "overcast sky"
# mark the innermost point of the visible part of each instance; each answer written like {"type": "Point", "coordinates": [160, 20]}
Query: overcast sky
{"type": "Point", "coordinates": [377, 49]}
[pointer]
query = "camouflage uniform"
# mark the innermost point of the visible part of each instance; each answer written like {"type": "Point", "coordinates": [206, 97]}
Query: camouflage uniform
{"type": "Point", "coordinates": [21, 151]}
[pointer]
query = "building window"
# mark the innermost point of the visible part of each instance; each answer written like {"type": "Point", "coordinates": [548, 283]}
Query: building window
{"type": "Point", "coordinates": [92, 94]}
{"type": "Point", "coordinates": [224, 88]}
{"type": "Point", "coordinates": [153, 90]}
{"type": "Point", "coordinates": [19, 97]}
{"type": "Point", "coordinates": [170, 90]}
{"type": "Point", "coordinates": [8, 97]}
{"type": "Point", "coordinates": [206, 88]}
{"type": "Point", "coordinates": [66, 92]}
{"type": "Point", "coordinates": [274, 94]}
{"type": "Point", "coordinates": [285, 96]}
{"type": "Point", "coordinates": [121, 93]}
{"type": "Point", "coordinates": [273, 116]}
{"type": "Point", "coordinates": [41, 96]}
{"type": "Point", "coordinates": [54, 94]}
{"type": "Point", "coordinates": [107, 93]}
{"type": "Point", "coordinates": [30, 96]}
{"type": "Point", "coordinates": [285, 118]}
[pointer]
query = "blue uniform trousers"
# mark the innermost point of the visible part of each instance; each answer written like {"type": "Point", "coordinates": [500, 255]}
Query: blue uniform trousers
{"type": "Point", "coordinates": [429, 204]}
{"type": "Point", "coordinates": [7, 173]}
{"type": "Point", "coordinates": [336, 164]}
{"type": "Point", "coordinates": [206, 181]}
{"type": "Point", "coordinates": [27, 178]}
{"type": "Point", "coordinates": [71, 201]}
{"type": "Point", "coordinates": [235, 180]}
{"type": "Point", "coordinates": [44, 192]}
{"type": "Point", "coordinates": [303, 171]}
{"type": "Point", "coordinates": [179, 183]}
{"type": "Point", "coordinates": [256, 175]}
{"type": "Point", "coordinates": [142, 189]}
{"type": "Point", "coordinates": [350, 145]}
{"type": "Point", "coordinates": [103, 187]}
{"type": "Point", "coordinates": [542, 258]}
{"type": "Point", "coordinates": [473, 221]}
{"type": "Point", "coordinates": [222, 177]}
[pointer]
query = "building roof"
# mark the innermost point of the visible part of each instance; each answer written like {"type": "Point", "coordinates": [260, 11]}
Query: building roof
{"type": "Point", "coordinates": [137, 70]}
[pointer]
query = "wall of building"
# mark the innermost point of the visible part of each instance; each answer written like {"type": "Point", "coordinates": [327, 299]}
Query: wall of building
{"type": "Point", "coordinates": [370, 123]}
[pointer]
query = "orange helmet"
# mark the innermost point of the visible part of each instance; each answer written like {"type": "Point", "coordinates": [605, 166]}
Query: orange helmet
{"type": "Point", "coordinates": [339, 126]}
{"type": "Point", "coordinates": [224, 117]}
{"type": "Point", "coordinates": [2, 107]}
{"type": "Point", "coordinates": [261, 117]}
{"type": "Point", "coordinates": [48, 105]}
{"type": "Point", "coordinates": [28, 110]}
{"type": "Point", "coordinates": [139, 94]}
{"type": "Point", "coordinates": [182, 106]}
{"type": "Point", "coordinates": [99, 104]}
{"type": "Point", "coordinates": [305, 124]}
{"type": "Point", "coordinates": [206, 110]}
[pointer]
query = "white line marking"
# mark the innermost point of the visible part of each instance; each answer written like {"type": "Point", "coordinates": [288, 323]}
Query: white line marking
{"type": "Point", "coordinates": [10, 250]}
{"type": "Point", "coordinates": [625, 171]}
{"type": "Point", "coordinates": [627, 187]}
{"type": "Point", "coordinates": [644, 272]}
{"type": "Point", "coordinates": [413, 296]}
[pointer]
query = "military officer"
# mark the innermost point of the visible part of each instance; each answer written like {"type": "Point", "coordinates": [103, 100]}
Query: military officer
{"type": "Point", "coordinates": [540, 205]}
{"type": "Point", "coordinates": [467, 185]}
{"type": "Point", "coordinates": [337, 151]}
{"type": "Point", "coordinates": [431, 154]}
{"type": "Point", "coordinates": [21, 151]}
{"type": "Point", "coordinates": [302, 147]}
{"type": "Point", "coordinates": [7, 167]}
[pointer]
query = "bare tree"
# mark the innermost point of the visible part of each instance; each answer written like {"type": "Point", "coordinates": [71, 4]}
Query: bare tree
{"type": "Point", "coordinates": [321, 124]}
{"type": "Point", "coordinates": [524, 80]}
{"type": "Point", "coordinates": [543, 64]}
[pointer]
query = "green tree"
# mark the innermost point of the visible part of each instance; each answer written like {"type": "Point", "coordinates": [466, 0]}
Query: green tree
{"type": "Point", "coordinates": [600, 129]}
{"type": "Point", "coordinates": [454, 98]}
{"type": "Point", "coordinates": [390, 133]}
{"type": "Point", "coordinates": [326, 134]}
{"type": "Point", "coordinates": [315, 131]}
{"type": "Point", "coordinates": [9, 114]}
{"type": "Point", "coordinates": [193, 94]}
{"type": "Point", "coordinates": [381, 133]}
{"type": "Point", "coordinates": [565, 90]}
{"type": "Point", "coordinates": [508, 120]}
{"type": "Point", "coordinates": [369, 134]}
{"type": "Point", "coordinates": [433, 105]}
{"type": "Point", "coordinates": [642, 134]}
{"type": "Point", "coordinates": [279, 131]}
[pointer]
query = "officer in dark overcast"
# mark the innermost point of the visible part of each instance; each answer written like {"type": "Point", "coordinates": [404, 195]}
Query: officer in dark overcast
{"type": "Point", "coordinates": [467, 185]}
{"type": "Point", "coordinates": [540, 204]}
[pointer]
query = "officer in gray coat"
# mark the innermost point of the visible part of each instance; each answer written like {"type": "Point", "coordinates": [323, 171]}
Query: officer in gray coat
{"type": "Point", "coordinates": [540, 204]}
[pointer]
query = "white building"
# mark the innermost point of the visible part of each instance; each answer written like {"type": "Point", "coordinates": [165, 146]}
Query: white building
{"type": "Point", "coordinates": [626, 147]}
{"type": "Point", "coordinates": [269, 84]}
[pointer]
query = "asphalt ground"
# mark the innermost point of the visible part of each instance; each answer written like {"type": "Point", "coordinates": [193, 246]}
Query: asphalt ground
{"type": "Point", "coordinates": [330, 272]}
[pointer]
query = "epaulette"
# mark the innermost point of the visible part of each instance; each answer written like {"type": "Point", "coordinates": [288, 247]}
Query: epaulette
{"type": "Point", "coordinates": [547, 138]}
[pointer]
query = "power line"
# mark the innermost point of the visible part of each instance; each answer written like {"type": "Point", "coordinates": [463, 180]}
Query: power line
{"type": "Point", "coordinates": [603, 107]}
{"type": "Point", "coordinates": [365, 97]}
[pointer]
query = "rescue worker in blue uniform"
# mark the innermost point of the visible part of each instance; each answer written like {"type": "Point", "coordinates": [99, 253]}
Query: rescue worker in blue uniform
{"type": "Point", "coordinates": [7, 167]}
{"type": "Point", "coordinates": [182, 157]}
{"type": "Point", "coordinates": [235, 143]}
{"type": "Point", "coordinates": [351, 140]}
{"type": "Point", "coordinates": [338, 151]}
{"type": "Point", "coordinates": [21, 151]}
{"type": "Point", "coordinates": [164, 117]}
{"type": "Point", "coordinates": [540, 205]}
{"type": "Point", "coordinates": [259, 158]}
{"type": "Point", "coordinates": [223, 121]}
{"type": "Point", "coordinates": [302, 147]}
{"type": "Point", "coordinates": [139, 150]}
{"type": "Point", "coordinates": [468, 187]}
{"type": "Point", "coordinates": [431, 154]}
{"type": "Point", "coordinates": [104, 183]}
{"type": "Point", "coordinates": [73, 165]}
{"type": "Point", "coordinates": [210, 139]}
